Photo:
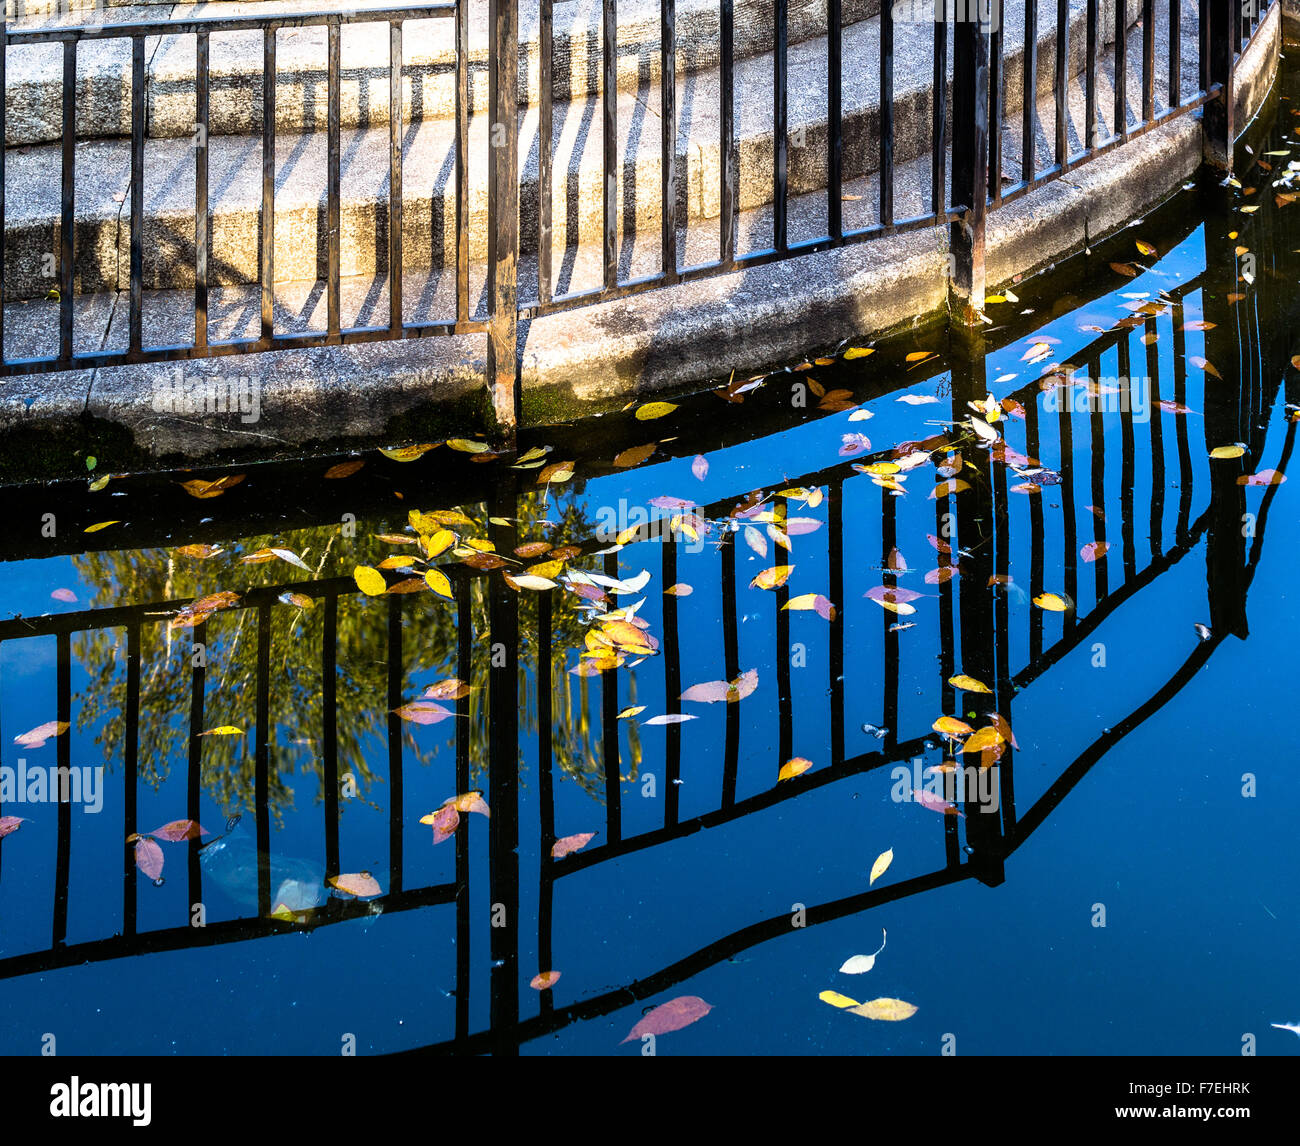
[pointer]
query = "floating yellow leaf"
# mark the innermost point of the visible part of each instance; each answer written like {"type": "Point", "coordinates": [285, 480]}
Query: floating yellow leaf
{"type": "Point", "coordinates": [344, 469]}
{"type": "Point", "coordinates": [883, 860]}
{"type": "Point", "coordinates": [100, 525]}
{"type": "Point", "coordinates": [885, 1009]}
{"type": "Point", "coordinates": [465, 446]}
{"type": "Point", "coordinates": [772, 578]}
{"type": "Point", "coordinates": [837, 1000]}
{"type": "Point", "coordinates": [1051, 602]}
{"type": "Point", "coordinates": [968, 683]}
{"type": "Point", "coordinates": [438, 542]}
{"type": "Point", "coordinates": [370, 581]}
{"type": "Point", "coordinates": [654, 410]}
{"type": "Point", "coordinates": [635, 455]}
{"type": "Point", "coordinates": [951, 726]}
{"type": "Point", "coordinates": [984, 738]}
{"type": "Point", "coordinates": [408, 453]}
{"type": "Point", "coordinates": [1147, 249]}
{"type": "Point", "coordinates": [223, 730]}
{"type": "Point", "coordinates": [792, 768]}
{"type": "Point", "coordinates": [437, 581]}
{"type": "Point", "coordinates": [630, 712]}
{"type": "Point", "coordinates": [1228, 451]}
{"type": "Point", "coordinates": [858, 352]}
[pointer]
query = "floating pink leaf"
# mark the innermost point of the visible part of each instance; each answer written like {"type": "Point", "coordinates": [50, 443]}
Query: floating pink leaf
{"type": "Point", "coordinates": [671, 503]}
{"type": "Point", "coordinates": [545, 981]}
{"type": "Point", "coordinates": [64, 595]}
{"type": "Point", "coordinates": [40, 734]}
{"type": "Point", "coordinates": [670, 1016]}
{"type": "Point", "coordinates": [934, 803]}
{"type": "Point", "coordinates": [1264, 477]}
{"type": "Point", "coordinates": [562, 847]}
{"type": "Point", "coordinates": [423, 712]}
{"type": "Point", "coordinates": [851, 444]}
{"type": "Point", "coordinates": [361, 884]}
{"type": "Point", "coordinates": [10, 824]}
{"type": "Point", "coordinates": [1094, 550]}
{"type": "Point", "coordinates": [796, 526]}
{"type": "Point", "coordinates": [894, 594]}
{"type": "Point", "coordinates": [670, 718]}
{"type": "Point", "coordinates": [445, 821]}
{"type": "Point", "coordinates": [179, 830]}
{"type": "Point", "coordinates": [149, 857]}
{"type": "Point", "coordinates": [700, 466]}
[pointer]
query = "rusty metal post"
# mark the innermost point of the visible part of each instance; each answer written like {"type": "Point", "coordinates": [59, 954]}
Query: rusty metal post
{"type": "Point", "coordinates": [970, 162]}
{"type": "Point", "coordinates": [503, 218]}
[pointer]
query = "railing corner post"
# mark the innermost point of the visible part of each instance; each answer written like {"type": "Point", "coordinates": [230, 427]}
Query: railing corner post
{"type": "Point", "coordinates": [1217, 126]}
{"type": "Point", "coordinates": [503, 219]}
{"type": "Point", "coordinates": [970, 163]}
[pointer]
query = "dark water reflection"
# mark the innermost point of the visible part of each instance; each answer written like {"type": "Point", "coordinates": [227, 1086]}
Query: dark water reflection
{"type": "Point", "coordinates": [706, 875]}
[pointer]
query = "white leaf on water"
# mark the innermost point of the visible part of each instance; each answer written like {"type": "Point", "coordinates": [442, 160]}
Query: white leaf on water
{"type": "Point", "coordinates": [861, 964]}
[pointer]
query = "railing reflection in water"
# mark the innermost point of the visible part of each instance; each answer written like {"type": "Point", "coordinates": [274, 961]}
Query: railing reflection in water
{"type": "Point", "coordinates": [974, 616]}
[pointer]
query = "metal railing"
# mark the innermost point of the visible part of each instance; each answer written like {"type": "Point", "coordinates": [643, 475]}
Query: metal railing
{"type": "Point", "coordinates": [967, 163]}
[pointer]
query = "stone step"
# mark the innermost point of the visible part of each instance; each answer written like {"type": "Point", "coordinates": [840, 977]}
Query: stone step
{"type": "Point", "coordinates": [34, 100]}
{"type": "Point", "coordinates": [101, 320]}
{"type": "Point", "coordinates": [429, 226]}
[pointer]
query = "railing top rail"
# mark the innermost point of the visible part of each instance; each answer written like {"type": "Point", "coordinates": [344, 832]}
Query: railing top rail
{"type": "Point", "coordinates": [243, 23]}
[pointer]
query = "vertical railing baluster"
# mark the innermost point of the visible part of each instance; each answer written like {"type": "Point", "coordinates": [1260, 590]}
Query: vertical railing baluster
{"type": "Point", "coordinates": [1149, 59]}
{"type": "Point", "coordinates": [609, 150]}
{"type": "Point", "coordinates": [503, 220]}
{"type": "Point", "coordinates": [130, 770]}
{"type": "Point", "coordinates": [889, 634]}
{"type": "Point", "coordinates": [1035, 535]}
{"type": "Point", "coordinates": [329, 703]}
{"type": "Point", "coordinates": [545, 789]}
{"type": "Point", "coordinates": [1097, 458]}
{"type": "Point", "coordinates": [464, 671]}
{"type": "Point", "coordinates": [194, 776]}
{"type": "Point", "coordinates": [997, 101]}
{"type": "Point", "coordinates": [1156, 528]}
{"type": "Point", "coordinates": [1065, 428]}
{"type": "Point", "coordinates": [938, 114]}
{"type": "Point", "coordinates": [886, 115]}
{"type": "Point", "coordinates": [395, 220]}
{"type": "Point", "coordinates": [1121, 69]}
{"type": "Point", "coordinates": [268, 183]}
{"type": "Point", "coordinates": [731, 669]}
{"type": "Point", "coordinates": [835, 559]}
{"type": "Point", "coordinates": [396, 792]}
{"type": "Point", "coordinates": [545, 159]}
{"type": "Point", "coordinates": [462, 161]}
{"type": "Point", "coordinates": [262, 760]}
{"type": "Point", "coordinates": [1093, 18]}
{"type": "Point", "coordinates": [1029, 100]}
{"type": "Point", "coordinates": [68, 192]}
{"type": "Point", "coordinates": [1061, 80]}
{"type": "Point", "coordinates": [727, 132]}
{"type": "Point", "coordinates": [1202, 42]}
{"type": "Point", "coordinates": [970, 157]}
{"type": "Point", "coordinates": [784, 700]}
{"type": "Point", "coordinates": [1219, 24]}
{"type": "Point", "coordinates": [63, 756]}
{"type": "Point", "coordinates": [333, 175]}
{"type": "Point", "coordinates": [202, 118]}
{"type": "Point", "coordinates": [781, 124]}
{"type": "Point", "coordinates": [668, 138]}
{"type": "Point", "coordinates": [672, 687]}
{"type": "Point", "coordinates": [135, 320]}
{"type": "Point", "coordinates": [610, 734]}
{"type": "Point", "coordinates": [835, 120]}
{"type": "Point", "coordinates": [1175, 53]}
